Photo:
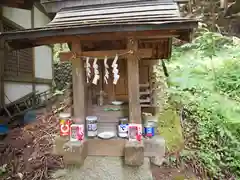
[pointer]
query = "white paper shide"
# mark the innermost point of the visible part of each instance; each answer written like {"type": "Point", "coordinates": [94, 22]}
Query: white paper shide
{"type": "Point", "coordinates": [115, 70]}
{"type": "Point", "coordinates": [96, 72]}
{"type": "Point", "coordinates": [106, 76]}
{"type": "Point", "coordinates": [88, 69]}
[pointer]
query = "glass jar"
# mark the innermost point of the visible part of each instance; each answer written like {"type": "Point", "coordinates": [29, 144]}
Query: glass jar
{"type": "Point", "coordinates": [123, 127]}
{"type": "Point", "coordinates": [91, 126]}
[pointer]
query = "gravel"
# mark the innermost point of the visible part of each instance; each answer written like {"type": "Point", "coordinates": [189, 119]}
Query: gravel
{"type": "Point", "coordinates": [105, 168]}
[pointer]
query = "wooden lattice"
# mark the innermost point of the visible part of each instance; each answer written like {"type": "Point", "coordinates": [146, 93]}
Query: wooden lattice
{"type": "Point", "coordinates": [19, 63]}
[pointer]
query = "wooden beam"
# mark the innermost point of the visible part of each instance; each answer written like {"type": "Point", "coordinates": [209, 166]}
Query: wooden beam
{"type": "Point", "coordinates": [109, 36]}
{"type": "Point", "coordinates": [29, 80]}
{"type": "Point", "coordinates": [34, 58]}
{"type": "Point", "coordinates": [2, 59]}
{"type": "Point", "coordinates": [78, 86]}
{"type": "Point", "coordinates": [43, 81]}
{"type": "Point", "coordinates": [23, 4]}
{"type": "Point", "coordinates": [133, 83]}
{"type": "Point", "coordinates": [142, 53]}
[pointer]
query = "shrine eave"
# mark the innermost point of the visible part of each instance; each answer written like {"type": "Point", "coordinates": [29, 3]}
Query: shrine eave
{"type": "Point", "coordinates": [29, 37]}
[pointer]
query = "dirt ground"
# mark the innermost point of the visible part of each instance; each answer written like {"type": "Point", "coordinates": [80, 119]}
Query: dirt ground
{"type": "Point", "coordinates": [24, 150]}
{"type": "Point", "coordinates": [168, 173]}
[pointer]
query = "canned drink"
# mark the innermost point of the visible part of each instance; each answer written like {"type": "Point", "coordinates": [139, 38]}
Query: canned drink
{"type": "Point", "coordinates": [76, 132]}
{"type": "Point", "coordinates": [91, 126]}
{"type": "Point", "coordinates": [149, 131]}
{"type": "Point", "coordinates": [123, 127]}
{"type": "Point", "coordinates": [135, 132]}
{"type": "Point", "coordinates": [65, 123]}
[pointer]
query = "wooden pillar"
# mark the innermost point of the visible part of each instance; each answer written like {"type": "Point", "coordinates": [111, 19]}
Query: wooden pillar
{"type": "Point", "coordinates": [33, 59]}
{"type": "Point", "coordinates": [78, 86]}
{"type": "Point", "coordinates": [133, 82]}
{"type": "Point", "coordinates": [2, 60]}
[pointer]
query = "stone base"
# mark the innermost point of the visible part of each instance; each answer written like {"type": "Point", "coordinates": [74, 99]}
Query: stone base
{"type": "Point", "coordinates": [58, 145]}
{"type": "Point", "coordinates": [75, 153]}
{"type": "Point", "coordinates": [105, 168]}
{"type": "Point", "coordinates": [155, 149]}
{"type": "Point", "coordinates": [134, 153]}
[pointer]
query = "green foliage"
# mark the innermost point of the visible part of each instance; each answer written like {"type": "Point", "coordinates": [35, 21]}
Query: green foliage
{"type": "Point", "coordinates": [229, 81]}
{"type": "Point", "coordinates": [205, 79]}
{"type": "Point", "coordinates": [170, 129]}
{"type": "Point", "coordinates": [3, 170]}
{"type": "Point", "coordinates": [57, 48]}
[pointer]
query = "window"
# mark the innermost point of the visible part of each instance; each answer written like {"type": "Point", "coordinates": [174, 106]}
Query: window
{"type": "Point", "coordinates": [19, 63]}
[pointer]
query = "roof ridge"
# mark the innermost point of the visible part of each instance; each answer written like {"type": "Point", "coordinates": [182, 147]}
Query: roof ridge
{"type": "Point", "coordinates": [110, 4]}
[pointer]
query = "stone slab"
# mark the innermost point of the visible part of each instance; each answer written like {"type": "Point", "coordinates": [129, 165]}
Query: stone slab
{"type": "Point", "coordinates": [134, 153]}
{"type": "Point", "coordinates": [105, 168]}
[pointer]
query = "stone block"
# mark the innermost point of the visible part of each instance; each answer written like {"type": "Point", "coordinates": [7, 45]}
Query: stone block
{"type": "Point", "coordinates": [157, 160]}
{"type": "Point", "coordinates": [134, 153]}
{"type": "Point", "coordinates": [75, 153]}
{"type": "Point", "coordinates": [59, 144]}
{"type": "Point", "coordinates": [155, 149]}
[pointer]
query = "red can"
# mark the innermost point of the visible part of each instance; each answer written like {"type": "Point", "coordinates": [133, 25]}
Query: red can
{"type": "Point", "coordinates": [65, 123]}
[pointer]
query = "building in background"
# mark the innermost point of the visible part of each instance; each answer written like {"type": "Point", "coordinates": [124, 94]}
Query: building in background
{"type": "Point", "coordinates": [26, 70]}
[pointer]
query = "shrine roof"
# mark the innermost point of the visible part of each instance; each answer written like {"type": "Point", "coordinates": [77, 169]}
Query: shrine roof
{"type": "Point", "coordinates": [114, 17]}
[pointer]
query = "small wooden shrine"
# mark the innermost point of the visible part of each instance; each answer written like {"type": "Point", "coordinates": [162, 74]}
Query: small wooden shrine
{"type": "Point", "coordinates": [113, 49]}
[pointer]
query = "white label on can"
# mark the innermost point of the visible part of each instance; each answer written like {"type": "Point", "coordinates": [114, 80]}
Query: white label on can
{"type": "Point", "coordinates": [92, 133]}
{"type": "Point", "coordinates": [92, 127]}
{"type": "Point", "coordinates": [135, 132]}
{"type": "Point", "coordinates": [123, 128]}
{"type": "Point", "coordinates": [74, 133]}
{"type": "Point", "coordinates": [77, 132]}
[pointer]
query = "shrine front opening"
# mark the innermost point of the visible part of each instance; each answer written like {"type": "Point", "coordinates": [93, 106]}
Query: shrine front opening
{"type": "Point", "coordinates": [130, 81]}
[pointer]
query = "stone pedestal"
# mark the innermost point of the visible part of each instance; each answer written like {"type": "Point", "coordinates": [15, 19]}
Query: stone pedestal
{"type": "Point", "coordinates": [155, 149]}
{"type": "Point", "coordinates": [134, 153]}
{"type": "Point", "coordinates": [75, 153]}
{"type": "Point", "coordinates": [58, 145]}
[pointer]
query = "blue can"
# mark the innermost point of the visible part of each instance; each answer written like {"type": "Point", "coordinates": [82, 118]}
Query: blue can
{"type": "Point", "coordinates": [149, 131]}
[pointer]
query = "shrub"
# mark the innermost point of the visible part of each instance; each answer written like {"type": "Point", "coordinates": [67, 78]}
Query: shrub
{"type": "Point", "coordinates": [205, 80]}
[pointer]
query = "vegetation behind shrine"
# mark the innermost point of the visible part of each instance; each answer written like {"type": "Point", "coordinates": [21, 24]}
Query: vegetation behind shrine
{"type": "Point", "coordinates": [204, 85]}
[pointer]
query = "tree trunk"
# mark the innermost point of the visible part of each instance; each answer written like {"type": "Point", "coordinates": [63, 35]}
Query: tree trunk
{"type": "Point", "coordinates": [213, 7]}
